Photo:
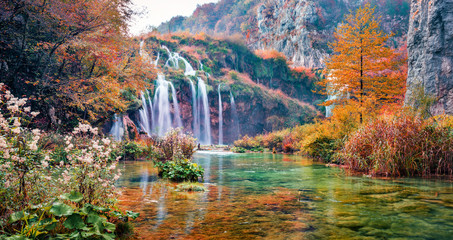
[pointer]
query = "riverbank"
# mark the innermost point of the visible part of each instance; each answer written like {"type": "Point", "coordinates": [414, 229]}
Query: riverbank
{"type": "Point", "coordinates": [403, 144]}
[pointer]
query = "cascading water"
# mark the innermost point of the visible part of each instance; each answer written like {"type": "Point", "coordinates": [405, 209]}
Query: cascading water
{"type": "Point", "coordinates": [220, 118]}
{"type": "Point", "coordinates": [157, 60]}
{"type": "Point", "coordinates": [234, 113]}
{"type": "Point", "coordinates": [162, 107]}
{"type": "Point", "coordinates": [150, 112]}
{"type": "Point", "coordinates": [117, 130]}
{"type": "Point", "coordinates": [174, 59]}
{"type": "Point", "coordinates": [205, 132]}
{"type": "Point", "coordinates": [177, 114]}
{"type": "Point", "coordinates": [144, 113]}
{"type": "Point", "coordinates": [196, 122]}
{"type": "Point", "coordinates": [155, 116]}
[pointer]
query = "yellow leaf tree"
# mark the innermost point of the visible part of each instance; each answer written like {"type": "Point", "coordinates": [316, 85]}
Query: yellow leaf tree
{"type": "Point", "coordinates": [362, 66]}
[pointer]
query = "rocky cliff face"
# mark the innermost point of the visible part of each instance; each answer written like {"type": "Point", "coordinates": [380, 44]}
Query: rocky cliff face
{"type": "Point", "coordinates": [301, 29]}
{"type": "Point", "coordinates": [430, 49]}
{"type": "Point", "coordinates": [286, 27]}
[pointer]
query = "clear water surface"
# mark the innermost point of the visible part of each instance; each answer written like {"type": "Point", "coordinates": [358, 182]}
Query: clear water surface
{"type": "Point", "coordinates": [265, 196]}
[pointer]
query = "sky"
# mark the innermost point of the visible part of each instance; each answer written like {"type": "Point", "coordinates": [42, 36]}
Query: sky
{"type": "Point", "coordinates": [157, 11]}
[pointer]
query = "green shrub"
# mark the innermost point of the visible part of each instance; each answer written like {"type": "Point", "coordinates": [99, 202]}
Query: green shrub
{"type": "Point", "coordinates": [131, 151]}
{"type": "Point", "coordinates": [179, 170]}
{"type": "Point", "coordinates": [238, 150]}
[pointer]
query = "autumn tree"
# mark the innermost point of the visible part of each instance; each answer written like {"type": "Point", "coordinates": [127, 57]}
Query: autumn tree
{"type": "Point", "coordinates": [74, 58]}
{"type": "Point", "coordinates": [362, 68]}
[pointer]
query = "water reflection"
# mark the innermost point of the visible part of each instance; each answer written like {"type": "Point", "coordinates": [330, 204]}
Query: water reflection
{"type": "Point", "coordinates": [258, 195]}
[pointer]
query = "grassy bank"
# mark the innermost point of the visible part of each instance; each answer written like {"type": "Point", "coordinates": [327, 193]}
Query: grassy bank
{"type": "Point", "coordinates": [403, 144]}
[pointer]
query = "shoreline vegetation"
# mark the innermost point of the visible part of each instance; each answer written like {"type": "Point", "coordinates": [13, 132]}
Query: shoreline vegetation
{"type": "Point", "coordinates": [394, 144]}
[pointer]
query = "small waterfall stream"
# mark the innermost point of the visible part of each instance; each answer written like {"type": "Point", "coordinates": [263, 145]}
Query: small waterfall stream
{"type": "Point", "coordinates": [178, 121]}
{"type": "Point", "coordinates": [174, 58]}
{"type": "Point", "coordinates": [234, 113]}
{"type": "Point", "coordinates": [220, 118]}
{"type": "Point", "coordinates": [205, 132]}
{"type": "Point", "coordinates": [144, 113]}
{"type": "Point", "coordinates": [117, 130]}
{"type": "Point", "coordinates": [195, 121]}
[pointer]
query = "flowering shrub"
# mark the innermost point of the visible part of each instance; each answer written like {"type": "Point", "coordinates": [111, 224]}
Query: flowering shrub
{"type": "Point", "coordinates": [28, 173]}
{"type": "Point", "coordinates": [175, 145]}
{"type": "Point", "coordinates": [21, 162]}
{"type": "Point", "coordinates": [91, 170]}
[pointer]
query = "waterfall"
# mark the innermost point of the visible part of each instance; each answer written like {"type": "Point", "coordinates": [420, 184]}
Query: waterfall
{"type": "Point", "coordinates": [201, 65]}
{"type": "Point", "coordinates": [177, 113]}
{"type": "Point", "coordinates": [150, 112]}
{"type": "Point", "coordinates": [205, 135]}
{"type": "Point", "coordinates": [117, 130]}
{"type": "Point", "coordinates": [157, 59]}
{"type": "Point", "coordinates": [162, 106]}
{"type": "Point", "coordinates": [220, 118]}
{"type": "Point", "coordinates": [155, 116]}
{"type": "Point", "coordinates": [174, 58]}
{"type": "Point", "coordinates": [196, 122]}
{"type": "Point", "coordinates": [143, 113]}
{"type": "Point", "coordinates": [335, 94]}
{"type": "Point", "coordinates": [234, 113]}
{"type": "Point", "coordinates": [330, 108]}
{"type": "Point", "coordinates": [189, 69]}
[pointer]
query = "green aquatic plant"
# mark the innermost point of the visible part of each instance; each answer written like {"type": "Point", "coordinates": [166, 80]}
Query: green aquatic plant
{"type": "Point", "coordinates": [180, 170]}
{"type": "Point", "coordinates": [191, 187]}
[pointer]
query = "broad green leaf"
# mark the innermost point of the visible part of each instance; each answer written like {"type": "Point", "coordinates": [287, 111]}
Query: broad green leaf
{"type": "Point", "coordinates": [101, 209]}
{"type": "Point", "coordinates": [110, 227]}
{"type": "Point", "coordinates": [73, 196]}
{"type": "Point", "coordinates": [87, 234]}
{"type": "Point", "coordinates": [17, 237]}
{"type": "Point", "coordinates": [61, 209]}
{"type": "Point", "coordinates": [74, 221]}
{"type": "Point", "coordinates": [117, 214]}
{"type": "Point", "coordinates": [75, 235]}
{"type": "Point", "coordinates": [94, 218]}
{"type": "Point", "coordinates": [87, 209]}
{"type": "Point", "coordinates": [108, 236]}
{"type": "Point", "coordinates": [132, 215]}
{"type": "Point", "coordinates": [16, 216]}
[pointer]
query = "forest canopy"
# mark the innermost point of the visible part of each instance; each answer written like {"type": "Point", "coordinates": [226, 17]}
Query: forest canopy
{"type": "Point", "coordinates": [72, 58]}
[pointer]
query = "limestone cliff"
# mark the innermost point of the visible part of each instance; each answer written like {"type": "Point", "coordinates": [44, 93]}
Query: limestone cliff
{"type": "Point", "coordinates": [301, 29]}
{"type": "Point", "coordinates": [430, 49]}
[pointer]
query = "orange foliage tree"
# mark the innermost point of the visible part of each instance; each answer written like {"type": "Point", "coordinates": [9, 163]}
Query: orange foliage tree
{"type": "Point", "coordinates": [363, 67]}
{"type": "Point", "coordinates": [73, 58]}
